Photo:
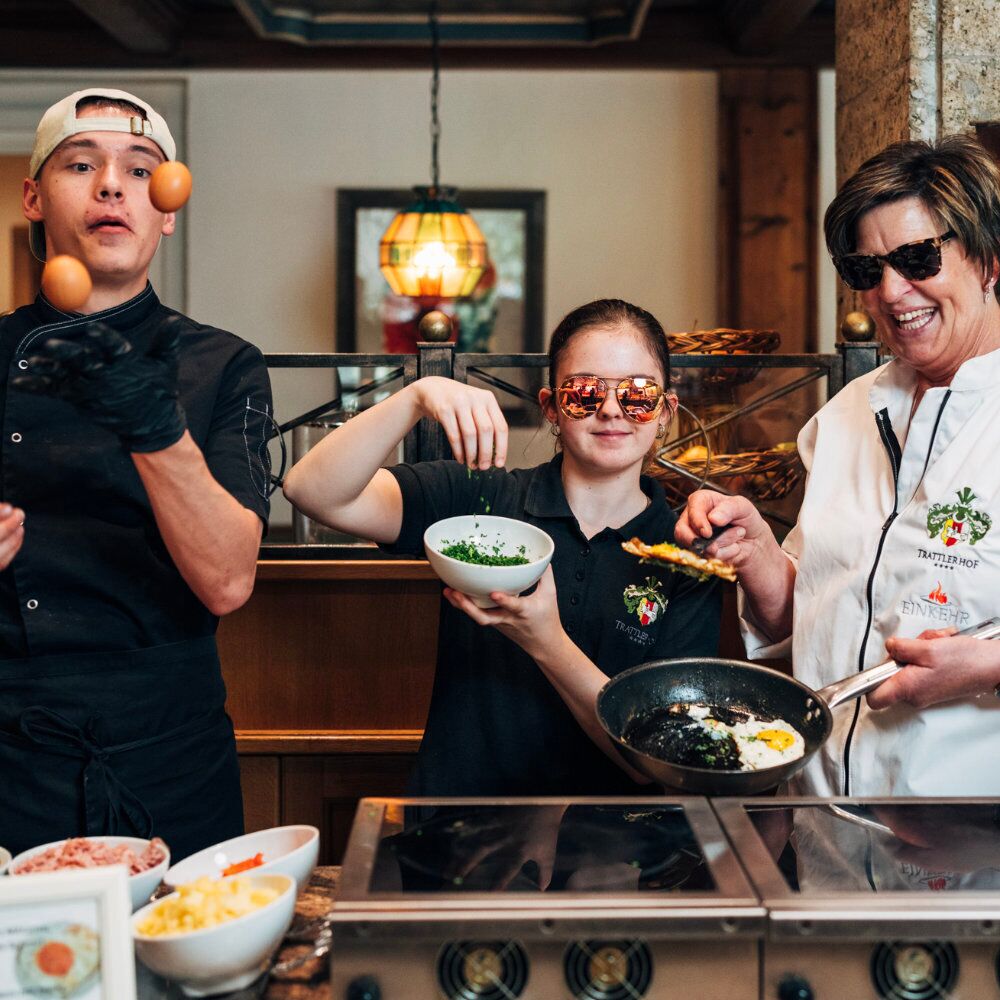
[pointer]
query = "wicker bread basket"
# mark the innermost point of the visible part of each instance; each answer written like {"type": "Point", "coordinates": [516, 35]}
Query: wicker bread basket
{"type": "Point", "coordinates": [722, 340]}
{"type": "Point", "coordinates": [770, 474]}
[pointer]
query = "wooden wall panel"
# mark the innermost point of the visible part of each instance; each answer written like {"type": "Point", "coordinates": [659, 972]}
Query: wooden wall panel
{"type": "Point", "coordinates": [260, 777]}
{"type": "Point", "coordinates": [324, 791]}
{"type": "Point", "coordinates": [767, 198]}
{"type": "Point", "coordinates": [323, 654]}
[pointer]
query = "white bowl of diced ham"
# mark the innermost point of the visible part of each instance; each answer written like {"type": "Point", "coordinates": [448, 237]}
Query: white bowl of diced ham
{"type": "Point", "coordinates": [4, 860]}
{"type": "Point", "coordinates": [146, 860]}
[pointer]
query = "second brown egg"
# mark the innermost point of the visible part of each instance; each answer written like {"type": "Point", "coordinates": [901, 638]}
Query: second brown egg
{"type": "Point", "coordinates": [170, 186]}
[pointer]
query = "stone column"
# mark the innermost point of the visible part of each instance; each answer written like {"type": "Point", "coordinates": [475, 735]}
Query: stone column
{"type": "Point", "coordinates": [912, 69]}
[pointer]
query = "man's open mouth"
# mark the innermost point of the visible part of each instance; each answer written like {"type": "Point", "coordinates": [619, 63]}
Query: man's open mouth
{"type": "Point", "coordinates": [107, 224]}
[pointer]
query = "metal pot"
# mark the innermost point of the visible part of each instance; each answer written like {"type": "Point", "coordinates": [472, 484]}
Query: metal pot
{"type": "Point", "coordinates": [766, 693]}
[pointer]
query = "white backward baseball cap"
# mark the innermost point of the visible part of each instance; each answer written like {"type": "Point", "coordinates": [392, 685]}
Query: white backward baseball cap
{"type": "Point", "coordinates": [60, 122]}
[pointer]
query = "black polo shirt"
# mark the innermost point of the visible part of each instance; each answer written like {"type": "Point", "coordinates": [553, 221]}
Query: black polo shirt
{"type": "Point", "coordinates": [496, 726]}
{"type": "Point", "coordinates": [93, 573]}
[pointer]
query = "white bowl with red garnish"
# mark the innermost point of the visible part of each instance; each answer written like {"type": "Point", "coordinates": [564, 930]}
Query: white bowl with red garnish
{"type": "Point", "coordinates": [147, 860]}
{"type": "Point", "coordinates": [284, 850]}
{"type": "Point", "coordinates": [468, 552]}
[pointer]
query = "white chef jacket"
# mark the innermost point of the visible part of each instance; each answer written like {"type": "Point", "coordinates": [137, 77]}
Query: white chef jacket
{"type": "Point", "coordinates": [889, 544]}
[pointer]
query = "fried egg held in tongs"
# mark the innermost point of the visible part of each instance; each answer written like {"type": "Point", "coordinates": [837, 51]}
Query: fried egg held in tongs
{"type": "Point", "coordinates": [680, 560]}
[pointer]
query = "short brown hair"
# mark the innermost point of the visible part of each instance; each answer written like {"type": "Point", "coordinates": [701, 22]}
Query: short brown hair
{"type": "Point", "coordinates": [955, 177]}
{"type": "Point", "coordinates": [110, 104]}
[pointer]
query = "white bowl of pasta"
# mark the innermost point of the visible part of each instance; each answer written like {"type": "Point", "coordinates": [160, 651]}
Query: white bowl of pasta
{"type": "Point", "coordinates": [215, 935]}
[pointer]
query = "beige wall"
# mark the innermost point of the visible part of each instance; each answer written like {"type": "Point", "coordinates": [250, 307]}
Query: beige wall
{"type": "Point", "coordinates": [628, 160]}
{"type": "Point", "coordinates": [13, 170]}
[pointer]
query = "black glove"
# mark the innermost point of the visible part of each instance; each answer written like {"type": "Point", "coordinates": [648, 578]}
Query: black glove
{"type": "Point", "coordinates": [133, 395]}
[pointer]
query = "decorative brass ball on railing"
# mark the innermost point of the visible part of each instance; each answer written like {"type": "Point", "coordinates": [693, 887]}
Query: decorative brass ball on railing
{"type": "Point", "coordinates": [435, 326]}
{"type": "Point", "coordinates": [857, 326]}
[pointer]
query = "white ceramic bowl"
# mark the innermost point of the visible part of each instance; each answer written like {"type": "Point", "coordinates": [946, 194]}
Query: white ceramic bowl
{"type": "Point", "coordinates": [287, 850]}
{"type": "Point", "coordinates": [140, 886]}
{"type": "Point", "coordinates": [487, 530]}
{"type": "Point", "coordinates": [4, 860]}
{"type": "Point", "coordinates": [226, 957]}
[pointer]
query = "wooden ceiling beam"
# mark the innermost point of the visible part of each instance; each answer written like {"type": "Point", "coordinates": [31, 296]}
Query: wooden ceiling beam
{"type": "Point", "coordinates": [145, 27]}
{"type": "Point", "coordinates": [55, 35]}
{"type": "Point", "coordinates": [757, 27]}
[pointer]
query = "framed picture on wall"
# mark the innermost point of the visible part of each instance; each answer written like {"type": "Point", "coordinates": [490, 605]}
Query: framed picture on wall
{"type": "Point", "coordinates": [505, 313]}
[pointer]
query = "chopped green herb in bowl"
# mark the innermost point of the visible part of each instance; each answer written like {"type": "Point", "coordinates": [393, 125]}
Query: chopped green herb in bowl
{"type": "Point", "coordinates": [470, 552]}
{"type": "Point", "coordinates": [482, 554]}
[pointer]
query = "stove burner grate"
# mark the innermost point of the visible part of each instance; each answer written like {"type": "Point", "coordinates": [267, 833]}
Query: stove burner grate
{"type": "Point", "coordinates": [914, 970]}
{"type": "Point", "coordinates": [608, 970]}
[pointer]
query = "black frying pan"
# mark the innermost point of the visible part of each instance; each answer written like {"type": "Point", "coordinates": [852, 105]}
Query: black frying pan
{"type": "Point", "coordinates": [766, 693]}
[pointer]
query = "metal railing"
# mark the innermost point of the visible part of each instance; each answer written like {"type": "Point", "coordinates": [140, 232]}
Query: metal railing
{"type": "Point", "coordinates": [427, 441]}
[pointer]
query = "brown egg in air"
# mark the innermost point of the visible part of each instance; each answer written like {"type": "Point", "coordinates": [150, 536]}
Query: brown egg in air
{"type": "Point", "coordinates": [66, 283]}
{"type": "Point", "coordinates": [170, 186]}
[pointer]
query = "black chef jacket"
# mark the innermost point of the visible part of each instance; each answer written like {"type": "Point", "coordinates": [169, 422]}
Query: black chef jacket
{"type": "Point", "coordinates": [111, 695]}
{"type": "Point", "coordinates": [496, 726]}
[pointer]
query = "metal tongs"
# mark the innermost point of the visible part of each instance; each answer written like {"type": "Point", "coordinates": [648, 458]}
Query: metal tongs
{"type": "Point", "coordinates": [700, 543]}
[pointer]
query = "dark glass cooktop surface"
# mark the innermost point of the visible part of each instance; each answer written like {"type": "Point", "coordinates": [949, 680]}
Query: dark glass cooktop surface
{"type": "Point", "coordinates": [553, 848]}
{"type": "Point", "coordinates": [889, 846]}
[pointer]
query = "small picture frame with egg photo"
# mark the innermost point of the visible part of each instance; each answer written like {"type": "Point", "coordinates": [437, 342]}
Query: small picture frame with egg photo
{"type": "Point", "coordinates": [67, 934]}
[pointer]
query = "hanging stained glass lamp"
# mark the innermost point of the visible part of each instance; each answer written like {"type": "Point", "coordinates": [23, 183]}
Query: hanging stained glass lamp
{"type": "Point", "coordinates": [433, 247]}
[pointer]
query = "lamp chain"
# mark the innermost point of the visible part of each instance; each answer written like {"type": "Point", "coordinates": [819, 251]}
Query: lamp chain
{"type": "Point", "coordinates": [435, 84]}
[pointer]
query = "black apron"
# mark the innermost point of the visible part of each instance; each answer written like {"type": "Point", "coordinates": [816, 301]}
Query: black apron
{"type": "Point", "coordinates": [133, 743]}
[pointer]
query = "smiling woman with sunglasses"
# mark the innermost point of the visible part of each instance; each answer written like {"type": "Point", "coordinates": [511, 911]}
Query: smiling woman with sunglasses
{"type": "Point", "coordinates": [897, 544]}
{"type": "Point", "coordinates": [512, 710]}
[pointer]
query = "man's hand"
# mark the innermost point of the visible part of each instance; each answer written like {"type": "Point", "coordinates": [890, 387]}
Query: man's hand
{"type": "Point", "coordinates": [938, 666]}
{"type": "Point", "coordinates": [133, 395]}
{"type": "Point", "coordinates": [496, 854]}
{"type": "Point", "coordinates": [11, 533]}
{"type": "Point", "coordinates": [941, 838]}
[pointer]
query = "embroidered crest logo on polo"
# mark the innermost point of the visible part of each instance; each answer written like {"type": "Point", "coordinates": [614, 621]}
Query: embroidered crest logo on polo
{"type": "Point", "coordinates": [645, 601]}
{"type": "Point", "coordinates": [958, 522]}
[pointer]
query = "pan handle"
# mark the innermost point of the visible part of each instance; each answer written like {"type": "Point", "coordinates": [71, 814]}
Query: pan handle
{"type": "Point", "coordinates": [858, 684]}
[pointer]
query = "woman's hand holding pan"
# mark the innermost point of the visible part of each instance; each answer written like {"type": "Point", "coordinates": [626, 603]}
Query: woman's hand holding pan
{"type": "Point", "coordinates": [938, 666]}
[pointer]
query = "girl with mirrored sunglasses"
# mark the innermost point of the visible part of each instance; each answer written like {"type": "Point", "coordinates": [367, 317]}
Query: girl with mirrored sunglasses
{"type": "Point", "coordinates": [512, 710]}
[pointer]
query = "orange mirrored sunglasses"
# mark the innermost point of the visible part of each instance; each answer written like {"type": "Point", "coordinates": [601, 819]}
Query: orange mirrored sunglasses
{"type": "Point", "coordinates": [639, 396]}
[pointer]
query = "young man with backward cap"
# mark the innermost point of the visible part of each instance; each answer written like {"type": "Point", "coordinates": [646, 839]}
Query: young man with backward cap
{"type": "Point", "coordinates": [135, 484]}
